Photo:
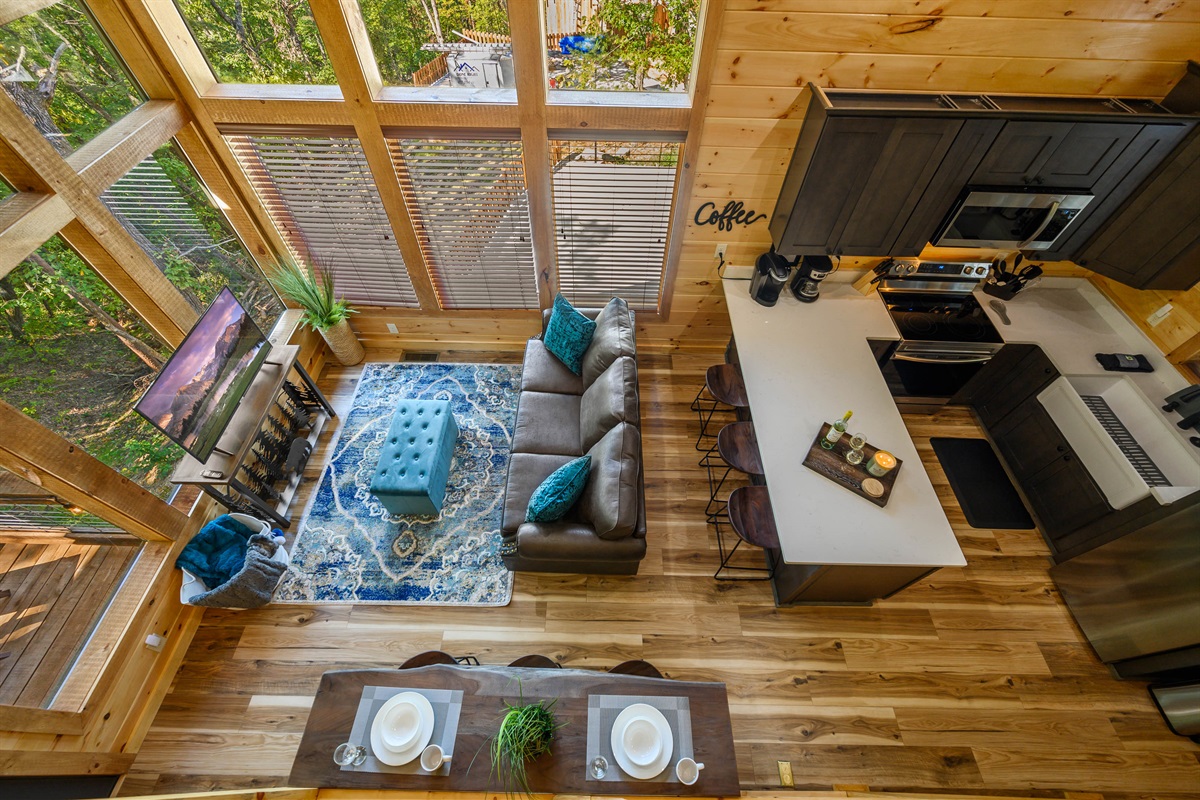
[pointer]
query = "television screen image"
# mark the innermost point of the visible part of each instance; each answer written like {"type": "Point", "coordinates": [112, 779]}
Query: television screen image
{"type": "Point", "coordinates": [198, 389]}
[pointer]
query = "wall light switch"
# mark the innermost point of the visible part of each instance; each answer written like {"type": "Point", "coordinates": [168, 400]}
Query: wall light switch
{"type": "Point", "coordinates": [392, 328]}
{"type": "Point", "coordinates": [1159, 315]}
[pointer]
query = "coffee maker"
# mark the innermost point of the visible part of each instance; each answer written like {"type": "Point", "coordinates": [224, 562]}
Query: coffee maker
{"type": "Point", "coordinates": [771, 272]}
{"type": "Point", "coordinates": [809, 273]}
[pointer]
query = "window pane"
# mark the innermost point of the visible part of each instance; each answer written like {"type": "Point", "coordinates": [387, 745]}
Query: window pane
{"type": "Point", "coordinates": [320, 193]}
{"type": "Point", "coordinates": [75, 357]}
{"type": "Point", "coordinates": [621, 45]}
{"type": "Point", "coordinates": [6, 191]}
{"type": "Point", "coordinates": [259, 41]}
{"type": "Point", "coordinates": [161, 202]}
{"type": "Point", "coordinates": [57, 66]}
{"type": "Point", "coordinates": [444, 45]}
{"type": "Point", "coordinates": [472, 213]}
{"type": "Point", "coordinates": [612, 216]}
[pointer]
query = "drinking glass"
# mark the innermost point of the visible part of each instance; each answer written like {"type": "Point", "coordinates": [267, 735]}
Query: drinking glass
{"type": "Point", "coordinates": [854, 456]}
{"type": "Point", "coordinates": [347, 755]}
{"type": "Point", "coordinates": [598, 768]}
{"type": "Point", "coordinates": [858, 440]}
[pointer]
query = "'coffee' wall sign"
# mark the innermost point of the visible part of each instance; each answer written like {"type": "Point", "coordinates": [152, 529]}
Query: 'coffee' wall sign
{"type": "Point", "coordinates": [732, 214]}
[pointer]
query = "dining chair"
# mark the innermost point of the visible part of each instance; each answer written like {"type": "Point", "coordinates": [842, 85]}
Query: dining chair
{"type": "Point", "coordinates": [748, 512]}
{"type": "Point", "coordinates": [428, 659]}
{"type": "Point", "coordinates": [737, 450]}
{"type": "Point", "coordinates": [637, 667]}
{"type": "Point", "coordinates": [536, 661]}
{"type": "Point", "coordinates": [725, 387]}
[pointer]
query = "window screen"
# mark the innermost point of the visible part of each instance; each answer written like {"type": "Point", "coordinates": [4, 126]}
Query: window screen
{"type": "Point", "coordinates": [472, 216]}
{"type": "Point", "coordinates": [320, 193]}
{"type": "Point", "coordinates": [612, 213]}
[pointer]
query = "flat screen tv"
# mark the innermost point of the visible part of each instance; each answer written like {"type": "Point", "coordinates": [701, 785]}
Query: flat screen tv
{"type": "Point", "coordinates": [198, 389]}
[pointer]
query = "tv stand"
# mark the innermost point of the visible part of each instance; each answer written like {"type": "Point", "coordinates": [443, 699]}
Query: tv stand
{"type": "Point", "coordinates": [263, 410]}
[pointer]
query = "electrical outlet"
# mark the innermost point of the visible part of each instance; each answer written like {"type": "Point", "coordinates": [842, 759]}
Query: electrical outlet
{"type": "Point", "coordinates": [1159, 315]}
{"type": "Point", "coordinates": [785, 774]}
{"type": "Point", "coordinates": [392, 328]}
{"type": "Point", "coordinates": [156, 642]}
{"type": "Point", "coordinates": [721, 250]}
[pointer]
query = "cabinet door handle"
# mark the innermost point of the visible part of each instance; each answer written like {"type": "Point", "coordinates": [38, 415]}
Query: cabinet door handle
{"type": "Point", "coordinates": [1061, 449]}
{"type": "Point", "coordinates": [1048, 370]}
{"type": "Point", "coordinates": [1066, 458]}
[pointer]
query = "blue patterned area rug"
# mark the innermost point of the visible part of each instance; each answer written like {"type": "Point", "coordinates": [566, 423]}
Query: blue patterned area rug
{"type": "Point", "coordinates": [351, 550]}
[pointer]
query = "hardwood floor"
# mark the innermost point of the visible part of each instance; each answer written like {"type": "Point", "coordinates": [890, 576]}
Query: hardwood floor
{"type": "Point", "coordinates": [974, 680]}
{"type": "Point", "coordinates": [51, 596]}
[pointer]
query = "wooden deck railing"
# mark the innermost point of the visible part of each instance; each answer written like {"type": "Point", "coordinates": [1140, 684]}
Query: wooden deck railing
{"type": "Point", "coordinates": [432, 72]}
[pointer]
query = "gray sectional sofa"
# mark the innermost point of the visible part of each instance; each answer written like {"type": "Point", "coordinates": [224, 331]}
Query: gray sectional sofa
{"type": "Point", "coordinates": [560, 417]}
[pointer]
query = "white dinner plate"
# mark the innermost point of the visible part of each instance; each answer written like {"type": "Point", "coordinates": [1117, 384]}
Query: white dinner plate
{"type": "Point", "coordinates": [642, 711]}
{"type": "Point", "coordinates": [396, 758]}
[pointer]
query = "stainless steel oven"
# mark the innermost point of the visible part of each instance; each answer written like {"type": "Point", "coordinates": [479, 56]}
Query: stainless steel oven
{"type": "Point", "coordinates": [1000, 219]}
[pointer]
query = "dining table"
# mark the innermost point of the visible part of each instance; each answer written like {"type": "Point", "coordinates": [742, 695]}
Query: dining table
{"type": "Point", "coordinates": [475, 701]}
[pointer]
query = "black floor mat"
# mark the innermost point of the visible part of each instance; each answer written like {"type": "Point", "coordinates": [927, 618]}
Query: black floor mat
{"type": "Point", "coordinates": [979, 482]}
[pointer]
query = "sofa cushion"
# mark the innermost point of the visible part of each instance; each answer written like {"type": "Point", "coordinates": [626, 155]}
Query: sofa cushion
{"type": "Point", "coordinates": [552, 500]}
{"type": "Point", "coordinates": [610, 501]}
{"type": "Point", "coordinates": [614, 337]}
{"type": "Point", "coordinates": [547, 423]}
{"type": "Point", "coordinates": [543, 372]}
{"type": "Point", "coordinates": [611, 399]}
{"type": "Point", "coordinates": [526, 471]}
{"type": "Point", "coordinates": [574, 543]}
{"type": "Point", "coordinates": [568, 334]}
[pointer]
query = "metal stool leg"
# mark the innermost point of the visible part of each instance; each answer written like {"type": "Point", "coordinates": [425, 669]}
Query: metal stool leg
{"type": "Point", "coordinates": [715, 507]}
{"type": "Point", "coordinates": [726, 557]}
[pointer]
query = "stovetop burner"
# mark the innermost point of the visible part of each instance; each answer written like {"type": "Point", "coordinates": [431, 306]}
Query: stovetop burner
{"type": "Point", "coordinates": [930, 317]}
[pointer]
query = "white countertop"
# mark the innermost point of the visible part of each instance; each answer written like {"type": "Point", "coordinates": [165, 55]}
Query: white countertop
{"type": "Point", "coordinates": [805, 364]}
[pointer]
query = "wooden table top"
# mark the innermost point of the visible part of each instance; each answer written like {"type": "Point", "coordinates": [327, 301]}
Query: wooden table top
{"type": "Point", "coordinates": [562, 771]}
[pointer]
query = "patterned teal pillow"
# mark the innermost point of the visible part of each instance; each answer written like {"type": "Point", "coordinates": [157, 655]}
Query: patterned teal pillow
{"type": "Point", "coordinates": [553, 499]}
{"type": "Point", "coordinates": [568, 334]}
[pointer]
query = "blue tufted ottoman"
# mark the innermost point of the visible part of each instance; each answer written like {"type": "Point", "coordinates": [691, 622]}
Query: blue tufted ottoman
{"type": "Point", "coordinates": [415, 462]}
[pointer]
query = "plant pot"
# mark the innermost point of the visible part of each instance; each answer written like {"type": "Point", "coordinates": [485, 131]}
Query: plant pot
{"type": "Point", "coordinates": [344, 344]}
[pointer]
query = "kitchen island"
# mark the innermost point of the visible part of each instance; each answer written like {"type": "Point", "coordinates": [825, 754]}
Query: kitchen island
{"type": "Point", "coordinates": [804, 364]}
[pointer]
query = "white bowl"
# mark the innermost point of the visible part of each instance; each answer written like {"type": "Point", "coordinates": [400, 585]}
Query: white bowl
{"type": "Point", "coordinates": [400, 726]}
{"type": "Point", "coordinates": [641, 741]}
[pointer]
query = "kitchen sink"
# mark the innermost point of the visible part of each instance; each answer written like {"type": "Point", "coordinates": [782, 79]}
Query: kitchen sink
{"type": "Point", "coordinates": [1130, 449]}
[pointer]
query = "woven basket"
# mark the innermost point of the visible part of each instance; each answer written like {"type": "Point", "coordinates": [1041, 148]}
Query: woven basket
{"type": "Point", "coordinates": [344, 344]}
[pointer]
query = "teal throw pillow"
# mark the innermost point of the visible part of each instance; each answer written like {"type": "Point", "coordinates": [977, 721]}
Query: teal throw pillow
{"type": "Point", "coordinates": [568, 334]}
{"type": "Point", "coordinates": [553, 499]}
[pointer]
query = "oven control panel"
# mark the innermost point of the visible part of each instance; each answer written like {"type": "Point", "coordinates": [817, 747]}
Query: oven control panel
{"type": "Point", "coordinates": [973, 270]}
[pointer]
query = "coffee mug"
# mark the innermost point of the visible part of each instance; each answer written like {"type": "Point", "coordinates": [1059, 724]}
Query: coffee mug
{"type": "Point", "coordinates": [433, 757]}
{"type": "Point", "coordinates": [688, 771]}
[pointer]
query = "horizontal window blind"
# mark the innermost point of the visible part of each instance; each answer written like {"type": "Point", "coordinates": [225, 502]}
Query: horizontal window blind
{"type": "Point", "coordinates": [471, 212]}
{"type": "Point", "coordinates": [612, 214]}
{"type": "Point", "coordinates": [155, 212]}
{"type": "Point", "coordinates": [320, 193]}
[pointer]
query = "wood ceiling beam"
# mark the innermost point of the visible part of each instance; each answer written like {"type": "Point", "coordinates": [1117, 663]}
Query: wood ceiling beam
{"type": "Point", "coordinates": [45, 459]}
{"type": "Point", "coordinates": [126, 143]}
{"type": "Point", "coordinates": [711, 15]}
{"type": "Point", "coordinates": [26, 221]}
{"type": "Point", "coordinates": [127, 268]}
{"type": "Point", "coordinates": [349, 48]}
{"type": "Point", "coordinates": [11, 10]}
{"type": "Point", "coordinates": [529, 63]}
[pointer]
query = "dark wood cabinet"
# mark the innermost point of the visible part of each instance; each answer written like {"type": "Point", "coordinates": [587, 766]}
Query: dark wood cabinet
{"type": "Point", "coordinates": [1153, 240]}
{"type": "Point", "coordinates": [1064, 498]}
{"type": "Point", "coordinates": [1054, 155]}
{"type": "Point", "coordinates": [1029, 440]}
{"type": "Point", "coordinates": [1016, 373]}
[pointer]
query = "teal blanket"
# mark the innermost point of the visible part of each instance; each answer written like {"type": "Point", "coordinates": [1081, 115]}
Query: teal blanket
{"type": "Point", "coordinates": [217, 551]}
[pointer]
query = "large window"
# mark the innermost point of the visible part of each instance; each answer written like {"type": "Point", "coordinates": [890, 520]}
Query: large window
{"type": "Point", "coordinates": [461, 44]}
{"type": "Point", "coordinates": [75, 357]}
{"type": "Point", "coordinates": [6, 191]}
{"type": "Point", "coordinates": [472, 214]}
{"type": "Point", "coordinates": [58, 68]}
{"type": "Point", "coordinates": [621, 45]}
{"type": "Point", "coordinates": [319, 191]}
{"type": "Point", "coordinates": [259, 41]}
{"type": "Point", "coordinates": [163, 205]}
{"type": "Point", "coordinates": [612, 214]}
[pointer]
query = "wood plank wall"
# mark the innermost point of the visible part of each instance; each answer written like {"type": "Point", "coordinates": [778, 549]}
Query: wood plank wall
{"type": "Point", "coordinates": [769, 49]}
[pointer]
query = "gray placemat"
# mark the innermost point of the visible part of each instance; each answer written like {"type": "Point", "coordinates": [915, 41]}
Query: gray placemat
{"type": "Point", "coordinates": [447, 705]}
{"type": "Point", "coordinates": [602, 713]}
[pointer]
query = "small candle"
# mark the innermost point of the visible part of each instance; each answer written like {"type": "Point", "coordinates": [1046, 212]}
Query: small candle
{"type": "Point", "coordinates": [881, 463]}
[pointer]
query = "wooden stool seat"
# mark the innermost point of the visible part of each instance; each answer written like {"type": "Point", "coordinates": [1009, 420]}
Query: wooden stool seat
{"type": "Point", "coordinates": [536, 661]}
{"type": "Point", "coordinates": [724, 382]}
{"type": "Point", "coordinates": [637, 667]}
{"type": "Point", "coordinates": [737, 445]}
{"type": "Point", "coordinates": [750, 515]}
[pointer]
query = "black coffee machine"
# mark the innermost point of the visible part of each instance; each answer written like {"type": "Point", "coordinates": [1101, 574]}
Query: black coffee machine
{"type": "Point", "coordinates": [811, 271]}
{"type": "Point", "coordinates": [771, 272]}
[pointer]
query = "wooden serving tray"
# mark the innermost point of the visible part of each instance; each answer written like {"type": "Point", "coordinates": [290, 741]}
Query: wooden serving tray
{"type": "Point", "coordinates": [833, 465]}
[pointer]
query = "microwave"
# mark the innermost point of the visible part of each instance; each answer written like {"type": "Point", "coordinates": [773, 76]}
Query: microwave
{"type": "Point", "coordinates": [1002, 220]}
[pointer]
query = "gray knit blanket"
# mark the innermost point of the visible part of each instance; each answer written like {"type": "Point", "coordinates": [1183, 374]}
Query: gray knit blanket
{"type": "Point", "coordinates": [251, 586]}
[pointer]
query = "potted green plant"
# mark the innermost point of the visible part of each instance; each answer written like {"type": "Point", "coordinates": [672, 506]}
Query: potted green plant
{"type": "Point", "coordinates": [311, 288]}
{"type": "Point", "coordinates": [526, 732]}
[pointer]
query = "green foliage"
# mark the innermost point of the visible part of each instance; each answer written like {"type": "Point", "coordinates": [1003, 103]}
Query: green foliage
{"type": "Point", "coordinates": [259, 41]}
{"type": "Point", "coordinates": [312, 289]}
{"type": "Point", "coordinates": [640, 35]}
{"type": "Point", "coordinates": [398, 28]}
{"type": "Point", "coordinates": [526, 732]}
{"type": "Point", "coordinates": [93, 90]}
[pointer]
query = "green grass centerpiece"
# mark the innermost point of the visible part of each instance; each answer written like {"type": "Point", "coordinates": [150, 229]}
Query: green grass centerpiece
{"type": "Point", "coordinates": [526, 732]}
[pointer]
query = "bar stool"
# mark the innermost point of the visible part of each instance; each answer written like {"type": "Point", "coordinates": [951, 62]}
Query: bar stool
{"type": "Point", "coordinates": [638, 667]}
{"type": "Point", "coordinates": [737, 447]}
{"type": "Point", "coordinates": [750, 516]}
{"type": "Point", "coordinates": [536, 661]}
{"type": "Point", "coordinates": [725, 386]}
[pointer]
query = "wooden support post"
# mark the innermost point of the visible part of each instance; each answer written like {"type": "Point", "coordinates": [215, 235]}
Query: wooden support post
{"type": "Point", "coordinates": [26, 221]}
